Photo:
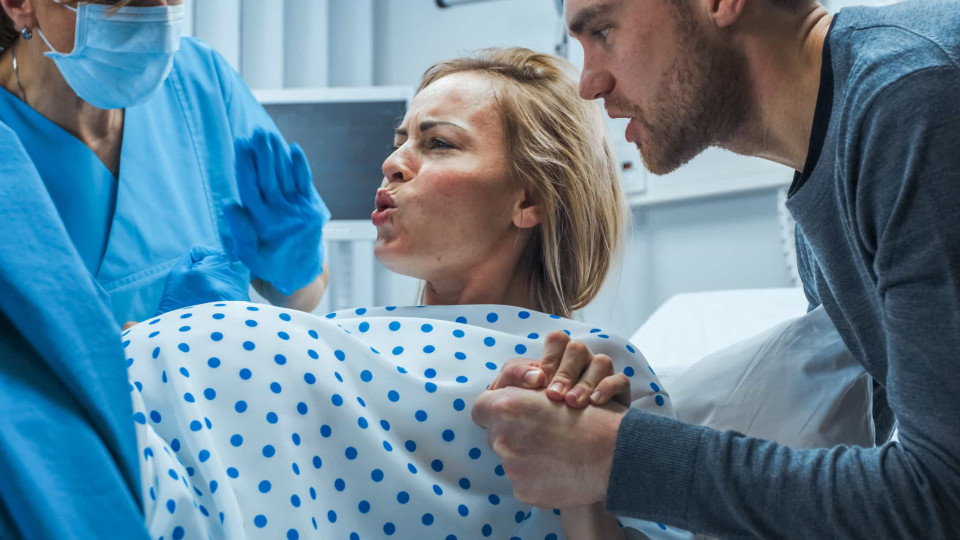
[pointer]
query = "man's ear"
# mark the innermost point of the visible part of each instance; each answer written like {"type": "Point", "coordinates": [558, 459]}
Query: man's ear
{"type": "Point", "coordinates": [724, 13]}
{"type": "Point", "coordinates": [21, 12]}
{"type": "Point", "coordinates": [526, 215]}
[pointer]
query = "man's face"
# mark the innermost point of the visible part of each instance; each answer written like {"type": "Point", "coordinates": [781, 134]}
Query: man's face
{"type": "Point", "coordinates": [652, 61]}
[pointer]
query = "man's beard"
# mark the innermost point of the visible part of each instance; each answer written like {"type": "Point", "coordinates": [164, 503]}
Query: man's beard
{"type": "Point", "coordinates": [705, 101]}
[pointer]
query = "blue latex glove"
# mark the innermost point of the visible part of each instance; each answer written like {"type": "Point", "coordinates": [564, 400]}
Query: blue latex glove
{"type": "Point", "coordinates": [277, 230]}
{"type": "Point", "coordinates": [202, 275]}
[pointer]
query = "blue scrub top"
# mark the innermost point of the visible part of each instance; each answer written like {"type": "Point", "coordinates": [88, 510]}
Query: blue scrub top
{"type": "Point", "coordinates": [176, 172]}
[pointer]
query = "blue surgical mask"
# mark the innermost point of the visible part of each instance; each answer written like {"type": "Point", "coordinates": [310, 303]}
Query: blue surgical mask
{"type": "Point", "coordinates": [120, 56]}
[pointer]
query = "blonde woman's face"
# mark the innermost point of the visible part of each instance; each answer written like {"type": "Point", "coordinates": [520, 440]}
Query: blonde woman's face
{"type": "Point", "coordinates": [447, 204]}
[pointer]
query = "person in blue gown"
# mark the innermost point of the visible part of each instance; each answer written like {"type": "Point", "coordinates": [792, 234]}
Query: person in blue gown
{"type": "Point", "coordinates": [137, 174]}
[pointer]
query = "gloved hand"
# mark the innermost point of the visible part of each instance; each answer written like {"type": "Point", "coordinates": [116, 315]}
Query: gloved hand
{"type": "Point", "coordinates": [202, 275]}
{"type": "Point", "coordinates": [277, 230]}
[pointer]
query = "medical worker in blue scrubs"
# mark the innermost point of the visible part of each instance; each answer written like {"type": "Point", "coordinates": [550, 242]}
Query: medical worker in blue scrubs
{"type": "Point", "coordinates": [159, 160]}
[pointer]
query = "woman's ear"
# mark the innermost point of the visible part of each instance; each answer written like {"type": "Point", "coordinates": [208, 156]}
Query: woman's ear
{"type": "Point", "coordinates": [21, 12]}
{"type": "Point", "coordinates": [526, 215]}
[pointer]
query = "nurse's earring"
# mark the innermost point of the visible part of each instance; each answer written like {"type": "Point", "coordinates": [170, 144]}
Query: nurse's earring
{"type": "Point", "coordinates": [25, 33]}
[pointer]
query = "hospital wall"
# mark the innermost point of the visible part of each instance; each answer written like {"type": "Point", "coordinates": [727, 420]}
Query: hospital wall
{"type": "Point", "coordinates": [729, 241]}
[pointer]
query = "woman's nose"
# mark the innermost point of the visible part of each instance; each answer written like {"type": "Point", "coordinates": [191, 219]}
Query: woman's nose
{"type": "Point", "coordinates": [396, 168]}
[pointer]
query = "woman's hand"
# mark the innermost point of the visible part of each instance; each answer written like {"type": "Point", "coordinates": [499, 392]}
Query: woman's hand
{"type": "Point", "coordinates": [569, 372]}
{"type": "Point", "coordinates": [278, 226]}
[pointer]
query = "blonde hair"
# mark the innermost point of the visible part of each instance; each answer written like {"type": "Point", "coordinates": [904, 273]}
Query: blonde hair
{"type": "Point", "coordinates": [558, 151]}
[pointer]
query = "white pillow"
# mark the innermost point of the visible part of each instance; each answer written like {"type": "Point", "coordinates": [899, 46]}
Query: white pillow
{"type": "Point", "coordinates": [796, 384]}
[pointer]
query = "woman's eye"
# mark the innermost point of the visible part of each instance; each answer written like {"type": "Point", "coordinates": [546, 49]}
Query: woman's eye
{"type": "Point", "coordinates": [440, 144]}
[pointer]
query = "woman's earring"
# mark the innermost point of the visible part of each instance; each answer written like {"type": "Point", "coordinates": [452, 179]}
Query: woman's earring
{"type": "Point", "coordinates": [26, 33]}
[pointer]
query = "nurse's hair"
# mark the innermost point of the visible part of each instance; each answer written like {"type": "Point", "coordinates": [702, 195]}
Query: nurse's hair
{"type": "Point", "coordinates": [9, 30]}
{"type": "Point", "coordinates": [558, 152]}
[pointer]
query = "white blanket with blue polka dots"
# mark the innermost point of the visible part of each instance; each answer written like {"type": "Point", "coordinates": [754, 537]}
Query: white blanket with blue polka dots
{"type": "Point", "coordinates": [260, 422]}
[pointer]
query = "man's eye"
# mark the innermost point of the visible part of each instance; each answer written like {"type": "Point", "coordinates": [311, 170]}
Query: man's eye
{"type": "Point", "coordinates": [602, 33]}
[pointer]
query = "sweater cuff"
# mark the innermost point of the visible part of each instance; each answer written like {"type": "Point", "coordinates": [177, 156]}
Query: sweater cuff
{"type": "Point", "coordinates": [653, 465]}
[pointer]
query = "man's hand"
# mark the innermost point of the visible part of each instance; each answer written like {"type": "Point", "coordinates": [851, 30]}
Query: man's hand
{"type": "Point", "coordinates": [555, 456]}
{"type": "Point", "coordinates": [571, 373]}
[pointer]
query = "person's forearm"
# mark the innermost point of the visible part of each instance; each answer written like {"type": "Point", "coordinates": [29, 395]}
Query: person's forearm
{"type": "Point", "coordinates": [589, 523]}
{"type": "Point", "coordinates": [727, 484]}
{"type": "Point", "coordinates": [305, 299]}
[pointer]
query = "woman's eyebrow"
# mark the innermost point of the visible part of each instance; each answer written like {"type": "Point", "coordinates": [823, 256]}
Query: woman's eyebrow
{"type": "Point", "coordinates": [427, 125]}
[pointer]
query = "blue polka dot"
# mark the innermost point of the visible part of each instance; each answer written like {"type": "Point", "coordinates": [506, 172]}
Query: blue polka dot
{"type": "Point", "coordinates": [249, 345]}
{"type": "Point", "coordinates": [317, 462]}
{"type": "Point", "coordinates": [295, 501]}
{"type": "Point", "coordinates": [260, 521]}
{"type": "Point", "coordinates": [376, 475]}
{"type": "Point", "coordinates": [339, 484]}
{"type": "Point", "coordinates": [398, 350]}
{"type": "Point", "coordinates": [436, 465]}
{"type": "Point", "coordinates": [340, 355]}
{"type": "Point", "coordinates": [252, 308]}
{"type": "Point", "coordinates": [363, 507]}
{"type": "Point", "coordinates": [533, 335]}
{"type": "Point", "coordinates": [360, 311]}
{"type": "Point", "coordinates": [236, 440]}
{"type": "Point", "coordinates": [403, 497]}
{"type": "Point", "coordinates": [491, 366]}
{"type": "Point", "coordinates": [519, 516]}
{"type": "Point", "coordinates": [464, 483]}
{"type": "Point", "coordinates": [232, 472]}
{"type": "Point", "coordinates": [184, 372]}
{"type": "Point", "coordinates": [364, 326]}
{"type": "Point", "coordinates": [218, 316]}
{"type": "Point", "coordinates": [284, 336]}
{"type": "Point", "coordinates": [631, 349]}
{"type": "Point", "coordinates": [430, 387]}
{"type": "Point", "coordinates": [337, 400]}
{"type": "Point", "coordinates": [462, 380]}
{"type": "Point", "coordinates": [309, 378]}
{"type": "Point", "coordinates": [654, 387]}
{"type": "Point", "coordinates": [245, 374]}
{"type": "Point", "coordinates": [296, 469]}
{"type": "Point", "coordinates": [332, 516]}
{"type": "Point", "coordinates": [203, 456]}
{"type": "Point", "coordinates": [659, 400]}
{"type": "Point", "coordinates": [240, 406]}
{"type": "Point", "coordinates": [351, 452]}
{"type": "Point", "coordinates": [196, 426]}
{"type": "Point", "coordinates": [140, 418]}
{"type": "Point", "coordinates": [171, 506]}
{"type": "Point", "coordinates": [489, 341]}
{"type": "Point", "coordinates": [458, 333]}
{"type": "Point", "coordinates": [184, 347]}
{"type": "Point", "coordinates": [554, 316]}
{"type": "Point", "coordinates": [178, 532]}
{"type": "Point", "coordinates": [427, 519]}
{"type": "Point", "coordinates": [459, 404]}
{"type": "Point", "coordinates": [296, 440]}
{"type": "Point", "coordinates": [366, 376]}
{"type": "Point", "coordinates": [448, 435]}
{"type": "Point", "coordinates": [394, 326]}
{"type": "Point", "coordinates": [214, 363]}
{"type": "Point", "coordinates": [207, 421]}
{"type": "Point", "coordinates": [401, 369]}
{"type": "Point", "coordinates": [494, 499]}
{"type": "Point", "coordinates": [463, 510]}
{"type": "Point", "coordinates": [269, 451]}
{"type": "Point", "coordinates": [251, 323]}
{"type": "Point", "coordinates": [524, 314]}
{"type": "Point", "coordinates": [210, 394]}
{"type": "Point", "coordinates": [550, 536]}
{"type": "Point", "coordinates": [430, 373]}
{"type": "Point", "coordinates": [264, 486]}
{"type": "Point", "coordinates": [325, 431]}
{"type": "Point", "coordinates": [498, 470]}
{"type": "Point", "coordinates": [175, 445]}
{"type": "Point", "coordinates": [389, 528]}
{"type": "Point", "coordinates": [520, 349]}
{"type": "Point", "coordinates": [313, 354]}
{"type": "Point", "coordinates": [216, 336]}
{"type": "Point", "coordinates": [421, 415]}
{"type": "Point", "coordinates": [460, 356]}
{"type": "Point", "coordinates": [213, 486]}
{"type": "Point", "coordinates": [437, 489]}
{"type": "Point", "coordinates": [410, 446]}
{"type": "Point", "coordinates": [628, 371]}
{"type": "Point", "coordinates": [330, 315]}
{"type": "Point", "coordinates": [272, 417]}
{"type": "Point", "coordinates": [302, 408]}
{"type": "Point", "coordinates": [337, 375]}
{"type": "Point", "coordinates": [393, 396]}
{"type": "Point", "coordinates": [362, 422]}
{"type": "Point", "coordinates": [474, 453]}
{"type": "Point", "coordinates": [184, 328]}
{"type": "Point", "coordinates": [429, 349]}
{"type": "Point", "coordinates": [487, 530]}
{"type": "Point", "coordinates": [285, 317]}
{"type": "Point", "coordinates": [280, 359]}
{"type": "Point", "coordinates": [275, 387]}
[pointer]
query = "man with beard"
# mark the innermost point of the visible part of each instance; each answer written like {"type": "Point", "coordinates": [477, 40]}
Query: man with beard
{"type": "Point", "coordinates": [863, 105]}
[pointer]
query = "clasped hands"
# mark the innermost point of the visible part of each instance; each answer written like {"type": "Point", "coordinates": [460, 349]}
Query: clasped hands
{"type": "Point", "coordinates": [554, 424]}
